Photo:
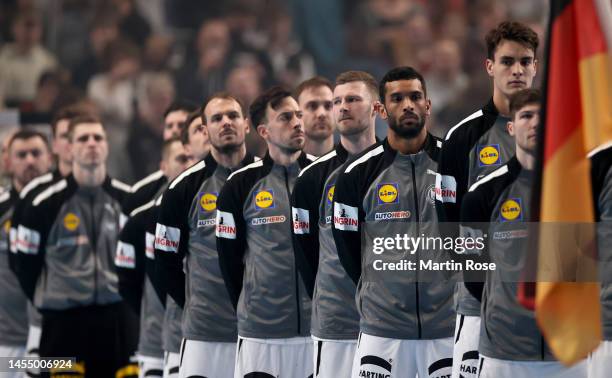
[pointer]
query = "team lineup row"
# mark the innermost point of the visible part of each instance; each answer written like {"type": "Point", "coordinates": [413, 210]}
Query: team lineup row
{"type": "Point", "coordinates": [223, 264]}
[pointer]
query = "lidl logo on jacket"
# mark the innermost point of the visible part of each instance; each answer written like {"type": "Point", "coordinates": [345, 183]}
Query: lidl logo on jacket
{"type": "Point", "coordinates": [511, 210]}
{"type": "Point", "coordinates": [387, 193]}
{"type": "Point", "coordinates": [264, 199]}
{"type": "Point", "coordinates": [489, 155]}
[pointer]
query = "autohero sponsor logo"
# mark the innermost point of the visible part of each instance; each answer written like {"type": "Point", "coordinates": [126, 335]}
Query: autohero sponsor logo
{"type": "Point", "coordinates": [514, 234]}
{"type": "Point", "coordinates": [374, 367]}
{"type": "Point", "coordinates": [301, 221]}
{"type": "Point", "coordinates": [390, 215]}
{"type": "Point", "coordinates": [167, 238]}
{"type": "Point", "coordinates": [206, 222]}
{"type": "Point", "coordinates": [208, 201]}
{"type": "Point", "coordinates": [489, 155]}
{"type": "Point", "coordinates": [268, 220]}
{"type": "Point", "coordinates": [226, 226]}
{"type": "Point", "coordinates": [388, 193]}
{"type": "Point", "coordinates": [446, 189]}
{"type": "Point", "coordinates": [510, 210]}
{"type": "Point", "coordinates": [345, 217]}
{"type": "Point", "coordinates": [264, 199]}
{"type": "Point", "coordinates": [71, 222]}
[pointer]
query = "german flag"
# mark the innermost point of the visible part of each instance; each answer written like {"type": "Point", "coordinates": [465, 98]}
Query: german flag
{"type": "Point", "coordinates": [577, 117]}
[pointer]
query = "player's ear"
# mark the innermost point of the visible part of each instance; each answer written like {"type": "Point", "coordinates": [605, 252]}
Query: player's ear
{"type": "Point", "coordinates": [510, 127]}
{"type": "Point", "coordinates": [262, 130]}
{"type": "Point", "coordinates": [489, 66]}
{"type": "Point", "coordinates": [382, 111]}
{"type": "Point", "coordinates": [247, 125]}
{"type": "Point", "coordinates": [428, 106]}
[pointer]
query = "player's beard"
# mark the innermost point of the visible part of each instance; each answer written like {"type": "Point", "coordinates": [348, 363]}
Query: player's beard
{"type": "Point", "coordinates": [407, 132]}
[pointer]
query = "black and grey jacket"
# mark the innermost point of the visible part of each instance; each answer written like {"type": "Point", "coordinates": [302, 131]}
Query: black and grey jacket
{"type": "Point", "coordinates": [256, 250]}
{"type": "Point", "coordinates": [13, 302]}
{"type": "Point", "coordinates": [143, 191]}
{"type": "Point", "coordinates": [66, 244]}
{"type": "Point", "coordinates": [601, 174]}
{"type": "Point", "coordinates": [186, 231]}
{"type": "Point", "coordinates": [381, 194]}
{"type": "Point", "coordinates": [334, 315]}
{"type": "Point", "coordinates": [473, 148]}
{"type": "Point", "coordinates": [26, 196]}
{"type": "Point", "coordinates": [134, 262]}
{"type": "Point", "coordinates": [497, 208]}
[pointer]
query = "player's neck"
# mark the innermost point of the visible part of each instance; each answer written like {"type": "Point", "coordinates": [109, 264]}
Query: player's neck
{"type": "Point", "coordinates": [17, 185]}
{"type": "Point", "coordinates": [525, 158]}
{"type": "Point", "coordinates": [89, 176]}
{"type": "Point", "coordinates": [354, 144]}
{"type": "Point", "coordinates": [64, 168]}
{"type": "Point", "coordinates": [501, 102]}
{"type": "Point", "coordinates": [282, 156]}
{"type": "Point", "coordinates": [319, 147]}
{"type": "Point", "coordinates": [229, 159]}
{"type": "Point", "coordinates": [405, 145]}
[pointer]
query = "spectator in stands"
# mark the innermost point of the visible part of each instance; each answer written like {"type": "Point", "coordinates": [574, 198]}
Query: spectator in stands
{"type": "Point", "coordinates": [23, 61]}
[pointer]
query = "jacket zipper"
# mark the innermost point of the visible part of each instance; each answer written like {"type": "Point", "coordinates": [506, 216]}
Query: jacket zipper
{"type": "Point", "coordinates": [94, 243]}
{"type": "Point", "coordinates": [416, 208]}
{"type": "Point", "coordinates": [295, 271]}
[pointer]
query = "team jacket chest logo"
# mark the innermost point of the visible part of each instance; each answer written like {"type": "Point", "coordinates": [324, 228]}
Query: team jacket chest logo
{"type": "Point", "coordinates": [387, 193]}
{"type": "Point", "coordinates": [489, 155]}
{"type": "Point", "coordinates": [208, 201]}
{"type": "Point", "coordinates": [329, 194]}
{"type": "Point", "coordinates": [264, 199]}
{"type": "Point", "coordinates": [7, 226]}
{"type": "Point", "coordinates": [71, 221]}
{"type": "Point", "coordinates": [510, 210]}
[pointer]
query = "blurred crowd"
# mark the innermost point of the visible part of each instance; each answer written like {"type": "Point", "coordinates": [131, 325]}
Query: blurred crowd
{"type": "Point", "coordinates": [130, 59]}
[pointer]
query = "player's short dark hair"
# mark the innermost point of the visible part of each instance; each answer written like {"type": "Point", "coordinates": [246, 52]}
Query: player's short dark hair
{"type": "Point", "coordinates": [511, 31]}
{"type": "Point", "coordinates": [180, 105]}
{"type": "Point", "coordinates": [185, 130]}
{"type": "Point", "coordinates": [524, 97]}
{"type": "Point", "coordinates": [313, 82]}
{"type": "Point", "coordinates": [80, 119]}
{"type": "Point", "coordinates": [223, 96]}
{"type": "Point", "coordinates": [165, 151]}
{"type": "Point", "coordinates": [362, 76]}
{"type": "Point", "coordinates": [25, 134]}
{"type": "Point", "coordinates": [273, 97]}
{"type": "Point", "coordinates": [400, 73]}
{"type": "Point", "coordinates": [67, 113]}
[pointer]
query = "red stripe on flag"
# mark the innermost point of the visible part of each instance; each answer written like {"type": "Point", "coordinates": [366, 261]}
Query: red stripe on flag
{"type": "Point", "coordinates": [590, 36]}
{"type": "Point", "coordinates": [563, 111]}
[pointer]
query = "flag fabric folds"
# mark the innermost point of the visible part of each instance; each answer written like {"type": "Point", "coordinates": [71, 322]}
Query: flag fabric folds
{"type": "Point", "coordinates": [577, 119]}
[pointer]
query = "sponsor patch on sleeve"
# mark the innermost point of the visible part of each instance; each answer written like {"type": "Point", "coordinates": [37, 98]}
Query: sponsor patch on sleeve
{"type": "Point", "coordinates": [125, 257]}
{"type": "Point", "coordinates": [28, 240]}
{"type": "Point", "coordinates": [446, 189]}
{"type": "Point", "coordinates": [226, 226]}
{"type": "Point", "coordinates": [122, 220]}
{"type": "Point", "coordinates": [13, 240]}
{"type": "Point", "coordinates": [150, 245]}
{"type": "Point", "coordinates": [167, 238]}
{"type": "Point", "coordinates": [301, 221]}
{"type": "Point", "coordinates": [346, 217]}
